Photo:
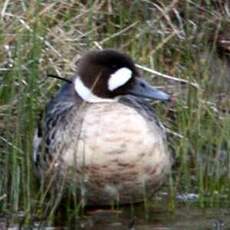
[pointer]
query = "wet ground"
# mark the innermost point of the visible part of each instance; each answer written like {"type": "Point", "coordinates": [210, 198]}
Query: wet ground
{"type": "Point", "coordinates": [182, 218]}
{"type": "Point", "coordinates": [186, 216]}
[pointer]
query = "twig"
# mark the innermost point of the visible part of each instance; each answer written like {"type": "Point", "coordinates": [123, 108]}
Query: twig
{"type": "Point", "coordinates": [60, 78]}
{"type": "Point", "coordinates": [118, 33]}
{"type": "Point", "coordinates": [10, 144]}
{"type": "Point", "coordinates": [160, 45]}
{"type": "Point", "coordinates": [166, 16]}
{"type": "Point", "coordinates": [174, 133]}
{"type": "Point", "coordinates": [194, 84]}
{"type": "Point", "coordinates": [98, 45]}
{"type": "Point", "coordinates": [4, 8]}
{"type": "Point", "coordinates": [29, 29]}
{"type": "Point", "coordinates": [3, 197]}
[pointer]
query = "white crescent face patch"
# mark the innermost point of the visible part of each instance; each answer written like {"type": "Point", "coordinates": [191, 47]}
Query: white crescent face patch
{"type": "Point", "coordinates": [119, 78]}
{"type": "Point", "coordinates": [86, 94]}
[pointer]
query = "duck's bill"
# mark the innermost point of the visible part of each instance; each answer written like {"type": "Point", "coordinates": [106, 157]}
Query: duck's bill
{"type": "Point", "coordinates": [142, 88]}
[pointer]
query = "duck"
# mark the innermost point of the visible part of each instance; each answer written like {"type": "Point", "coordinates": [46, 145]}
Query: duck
{"type": "Point", "coordinates": [100, 135]}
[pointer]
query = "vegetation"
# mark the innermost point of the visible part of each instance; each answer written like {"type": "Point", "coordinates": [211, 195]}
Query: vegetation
{"type": "Point", "coordinates": [185, 39]}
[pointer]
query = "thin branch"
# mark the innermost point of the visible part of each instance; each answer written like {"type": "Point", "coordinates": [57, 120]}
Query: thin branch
{"type": "Point", "coordinates": [4, 8]}
{"type": "Point", "coordinates": [98, 45]}
{"type": "Point", "coordinates": [60, 78]}
{"type": "Point", "coordinates": [174, 133]}
{"type": "Point", "coordinates": [11, 144]}
{"type": "Point", "coordinates": [118, 33]}
{"type": "Point", "coordinates": [3, 197]}
{"type": "Point", "coordinates": [194, 84]}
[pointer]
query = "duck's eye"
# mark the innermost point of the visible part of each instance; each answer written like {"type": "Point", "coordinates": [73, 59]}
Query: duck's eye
{"type": "Point", "coordinates": [142, 85]}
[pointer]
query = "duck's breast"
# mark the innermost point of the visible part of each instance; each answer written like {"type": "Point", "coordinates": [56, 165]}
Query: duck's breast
{"type": "Point", "coordinates": [115, 134]}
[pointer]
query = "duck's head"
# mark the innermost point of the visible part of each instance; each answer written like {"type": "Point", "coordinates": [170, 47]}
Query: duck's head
{"type": "Point", "coordinates": [107, 74]}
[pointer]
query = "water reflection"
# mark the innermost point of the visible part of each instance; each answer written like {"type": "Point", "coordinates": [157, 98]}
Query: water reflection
{"type": "Point", "coordinates": [139, 217]}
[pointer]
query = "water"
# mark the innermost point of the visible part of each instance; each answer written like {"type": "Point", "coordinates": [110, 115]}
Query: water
{"type": "Point", "coordinates": [184, 217]}
{"type": "Point", "coordinates": [159, 219]}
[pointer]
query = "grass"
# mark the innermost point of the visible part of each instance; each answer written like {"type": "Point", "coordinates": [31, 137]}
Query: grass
{"type": "Point", "coordinates": [184, 40]}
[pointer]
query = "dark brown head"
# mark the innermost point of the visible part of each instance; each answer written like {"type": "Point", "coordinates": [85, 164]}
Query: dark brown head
{"type": "Point", "coordinates": [107, 74]}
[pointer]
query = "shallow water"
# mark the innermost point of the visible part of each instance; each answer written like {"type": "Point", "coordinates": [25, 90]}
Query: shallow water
{"type": "Point", "coordinates": [185, 216]}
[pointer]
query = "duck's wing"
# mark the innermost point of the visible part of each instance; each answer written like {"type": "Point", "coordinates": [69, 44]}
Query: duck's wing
{"type": "Point", "coordinates": [51, 123]}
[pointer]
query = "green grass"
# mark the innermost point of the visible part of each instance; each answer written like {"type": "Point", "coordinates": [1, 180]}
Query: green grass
{"type": "Point", "coordinates": [181, 39]}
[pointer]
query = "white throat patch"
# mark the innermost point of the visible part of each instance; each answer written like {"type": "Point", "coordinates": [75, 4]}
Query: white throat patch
{"type": "Point", "coordinates": [119, 78]}
{"type": "Point", "coordinates": [86, 94]}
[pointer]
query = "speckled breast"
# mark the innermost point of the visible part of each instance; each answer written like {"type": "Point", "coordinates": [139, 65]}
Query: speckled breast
{"type": "Point", "coordinates": [118, 156]}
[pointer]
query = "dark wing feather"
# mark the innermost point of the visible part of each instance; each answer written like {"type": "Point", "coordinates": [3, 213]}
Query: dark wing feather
{"type": "Point", "coordinates": [50, 122]}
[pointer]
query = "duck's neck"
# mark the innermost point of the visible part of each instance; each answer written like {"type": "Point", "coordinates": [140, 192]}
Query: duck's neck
{"type": "Point", "coordinates": [86, 94]}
